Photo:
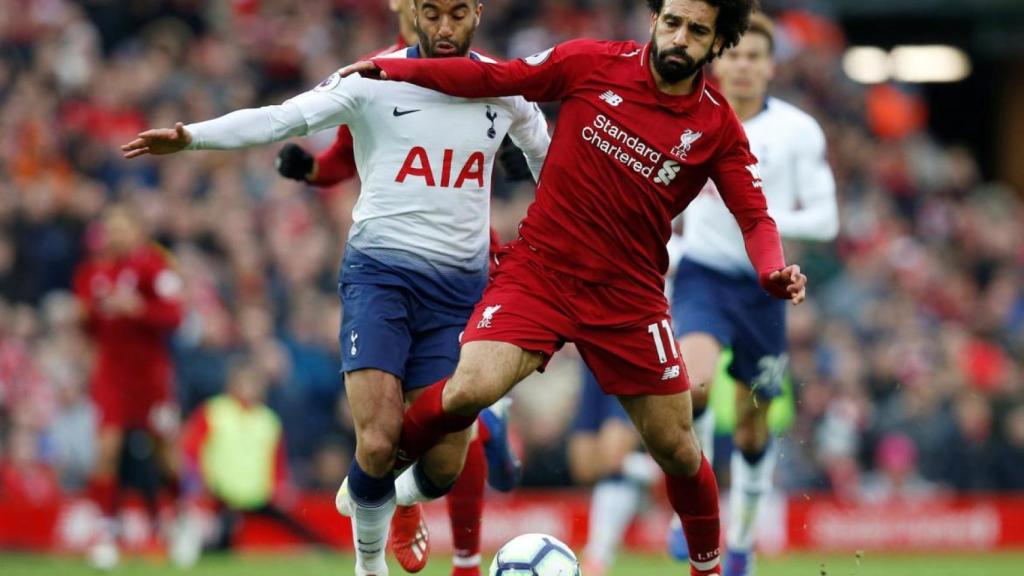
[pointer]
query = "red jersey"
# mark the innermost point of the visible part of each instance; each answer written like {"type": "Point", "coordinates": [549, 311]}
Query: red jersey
{"type": "Point", "coordinates": [338, 162]}
{"type": "Point", "coordinates": [133, 363]}
{"type": "Point", "coordinates": [625, 159]}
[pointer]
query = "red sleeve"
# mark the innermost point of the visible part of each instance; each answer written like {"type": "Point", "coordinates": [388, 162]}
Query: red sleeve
{"type": "Point", "coordinates": [543, 77]}
{"type": "Point", "coordinates": [193, 436]}
{"type": "Point", "coordinates": [337, 163]}
{"type": "Point", "coordinates": [163, 309]}
{"type": "Point", "coordinates": [738, 179]}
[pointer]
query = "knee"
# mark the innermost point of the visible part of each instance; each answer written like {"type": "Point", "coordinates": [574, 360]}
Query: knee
{"type": "Point", "coordinates": [468, 391]}
{"type": "Point", "coordinates": [376, 448]}
{"type": "Point", "coordinates": [676, 451]}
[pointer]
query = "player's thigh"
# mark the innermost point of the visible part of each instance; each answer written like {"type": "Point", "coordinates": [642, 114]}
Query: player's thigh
{"type": "Point", "coordinates": [375, 328]}
{"type": "Point", "coordinates": [701, 353]}
{"type": "Point", "coordinates": [759, 360]}
{"type": "Point", "coordinates": [666, 426]}
{"type": "Point", "coordinates": [486, 372]}
{"type": "Point", "coordinates": [109, 441]}
{"type": "Point", "coordinates": [583, 463]}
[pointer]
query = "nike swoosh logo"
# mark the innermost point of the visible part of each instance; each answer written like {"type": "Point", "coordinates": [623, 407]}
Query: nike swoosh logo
{"type": "Point", "coordinates": [396, 112]}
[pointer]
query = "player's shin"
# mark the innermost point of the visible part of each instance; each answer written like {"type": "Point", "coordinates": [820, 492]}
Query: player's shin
{"type": "Point", "coordinates": [612, 507]}
{"type": "Point", "coordinates": [466, 507]}
{"type": "Point", "coordinates": [426, 423]}
{"type": "Point", "coordinates": [373, 503]}
{"type": "Point", "coordinates": [695, 500]}
{"type": "Point", "coordinates": [751, 483]}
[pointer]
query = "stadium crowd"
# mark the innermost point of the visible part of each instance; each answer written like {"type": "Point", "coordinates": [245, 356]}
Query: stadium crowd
{"type": "Point", "coordinates": [906, 361]}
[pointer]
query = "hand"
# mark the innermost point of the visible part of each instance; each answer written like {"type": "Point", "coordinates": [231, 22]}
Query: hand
{"type": "Point", "coordinates": [158, 141]}
{"type": "Point", "coordinates": [366, 69]}
{"type": "Point", "coordinates": [788, 283]}
{"type": "Point", "coordinates": [294, 162]}
{"type": "Point", "coordinates": [123, 302]}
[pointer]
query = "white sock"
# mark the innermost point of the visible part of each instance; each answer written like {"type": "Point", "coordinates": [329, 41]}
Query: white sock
{"type": "Point", "coordinates": [704, 425]}
{"type": "Point", "coordinates": [370, 525]}
{"type": "Point", "coordinates": [640, 468]}
{"type": "Point", "coordinates": [750, 485]}
{"type": "Point", "coordinates": [612, 507]}
{"type": "Point", "coordinates": [407, 490]}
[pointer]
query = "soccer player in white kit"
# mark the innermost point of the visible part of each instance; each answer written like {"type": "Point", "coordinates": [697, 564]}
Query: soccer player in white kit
{"type": "Point", "coordinates": [717, 302]}
{"type": "Point", "coordinates": [416, 260]}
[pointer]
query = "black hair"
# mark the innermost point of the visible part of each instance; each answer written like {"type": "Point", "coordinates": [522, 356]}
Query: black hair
{"type": "Point", "coordinates": [733, 18]}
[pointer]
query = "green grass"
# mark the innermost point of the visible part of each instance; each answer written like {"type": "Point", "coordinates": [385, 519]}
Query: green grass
{"type": "Point", "coordinates": [330, 565]}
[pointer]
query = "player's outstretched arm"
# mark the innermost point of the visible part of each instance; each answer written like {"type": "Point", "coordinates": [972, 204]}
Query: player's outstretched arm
{"type": "Point", "coordinates": [543, 77]}
{"type": "Point", "coordinates": [158, 141]}
{"type": "Point", "coordinates": [328, 105]}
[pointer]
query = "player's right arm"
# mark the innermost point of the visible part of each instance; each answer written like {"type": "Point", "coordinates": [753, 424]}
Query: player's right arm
{"type": "Point", "coordinates": [333, 102]}
{"type": "Point", "coordinates": [543, 77]}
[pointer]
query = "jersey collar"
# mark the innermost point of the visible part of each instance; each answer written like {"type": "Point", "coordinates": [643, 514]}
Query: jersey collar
{"type": "Point", "coordinates": [676, 103]}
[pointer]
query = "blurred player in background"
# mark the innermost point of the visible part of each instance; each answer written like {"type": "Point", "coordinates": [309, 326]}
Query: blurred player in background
{"type": "Point", "coordinates": [639, 133]}
{"type": "Point", "coordinates": [130, 298]}
{"type": "Point", "coordinates": [417, 257]}
{"type": "Point", "coordinates": [717, 301]}
{"type": "Point", "coordinates": [605, 450]}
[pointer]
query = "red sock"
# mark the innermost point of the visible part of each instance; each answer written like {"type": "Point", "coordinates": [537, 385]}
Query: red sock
{"type": "Point", "coordinates": [102, 491]}
{"type": "Point", "coordinates": [466, 509]}
{"type": "Point", "coordinates": [426, 423]}
{"type": "Point", "coordinates": [695, 499]}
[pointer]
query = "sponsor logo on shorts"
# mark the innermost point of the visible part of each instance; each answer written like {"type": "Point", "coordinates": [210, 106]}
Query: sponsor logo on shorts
{"type": "Point", "coordinates": [670, 373]}
{"type": "Point", "coordinates": [488, 315]}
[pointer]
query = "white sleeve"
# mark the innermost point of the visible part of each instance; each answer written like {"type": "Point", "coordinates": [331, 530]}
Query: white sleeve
{"type": "Point", "coordinates": [818, 215]}
{"type": "Point", "coordinates": [332, 103]}
{"type": "Point", "coordinates": [529, 131]}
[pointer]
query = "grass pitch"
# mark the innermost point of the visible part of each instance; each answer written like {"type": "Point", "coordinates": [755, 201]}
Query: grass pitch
{"type": "Point", "coordinates": [309, 564]}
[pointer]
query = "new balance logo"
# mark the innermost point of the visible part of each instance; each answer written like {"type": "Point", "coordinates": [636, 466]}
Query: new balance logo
{"type": "Point", "coordinates": [611, 98]}
{"type": "Point", "coordinates": [670, 373]}
{"type": "Point", "coordinates": [488, 316]}
{"type": "Point", "coordinates": [669, 171]}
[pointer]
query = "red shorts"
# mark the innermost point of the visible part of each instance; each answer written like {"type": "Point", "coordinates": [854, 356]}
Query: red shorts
{"type": "Point", "coordinates": [630, 350]}
{"type": "Point", "coordinates": [141, 405]}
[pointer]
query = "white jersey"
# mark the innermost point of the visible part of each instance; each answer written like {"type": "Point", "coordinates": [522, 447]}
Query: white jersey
{"type": "Point", "coordinates": [424, 158]}
{"type": "Point", "coordinates": [798, 186]}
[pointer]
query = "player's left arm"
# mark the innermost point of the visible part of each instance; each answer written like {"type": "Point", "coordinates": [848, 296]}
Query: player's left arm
{"type": "Point", "coordinates": [817, 218]}
{"type": "Point", "coordinates": [529, 131]}
{"type": "Point", "coordinates": [736, 174]}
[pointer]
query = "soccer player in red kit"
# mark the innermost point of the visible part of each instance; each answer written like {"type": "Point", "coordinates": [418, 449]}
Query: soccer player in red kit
{"type": "Point", "coordinates": [130, 296]}
{"type": "Point", "coordinates": [639, 134]}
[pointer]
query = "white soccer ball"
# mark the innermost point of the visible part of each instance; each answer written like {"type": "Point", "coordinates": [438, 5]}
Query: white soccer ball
{"type": "Point", "coordinates": [535, 555]}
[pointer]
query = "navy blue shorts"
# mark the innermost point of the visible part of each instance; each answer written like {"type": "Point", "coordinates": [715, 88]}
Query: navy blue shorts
{"type": "Point", "coordinates": [595, 407]}
{"type": "Point", "coordinates": [387, 325]}
{"type": "Point", "coordinates": [737, 312]}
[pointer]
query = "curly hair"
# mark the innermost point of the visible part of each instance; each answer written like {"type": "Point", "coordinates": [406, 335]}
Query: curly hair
{"type": "Point", "coordinates": [733, 18]}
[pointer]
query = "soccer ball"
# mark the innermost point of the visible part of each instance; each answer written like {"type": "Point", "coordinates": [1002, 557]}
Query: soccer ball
{"type": "Point", "coordinates": [535, 555]}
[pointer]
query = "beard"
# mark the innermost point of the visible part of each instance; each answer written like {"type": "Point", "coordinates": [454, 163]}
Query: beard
{"type": "Point", "coordinates": [429, 46]}
{"type": "Point", "coordinates": [671, 71]}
